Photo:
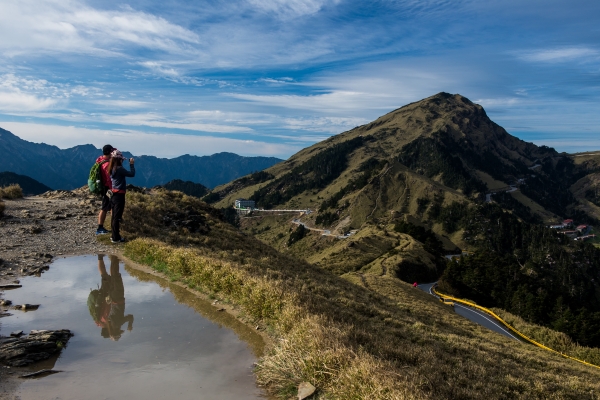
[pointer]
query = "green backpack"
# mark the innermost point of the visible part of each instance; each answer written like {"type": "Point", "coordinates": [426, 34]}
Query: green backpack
{"type": "Point", "coordinates": [95, 179]}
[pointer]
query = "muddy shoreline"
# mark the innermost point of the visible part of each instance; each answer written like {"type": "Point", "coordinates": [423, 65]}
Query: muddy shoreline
{"type": "Point", "coordinates": [37, 230]}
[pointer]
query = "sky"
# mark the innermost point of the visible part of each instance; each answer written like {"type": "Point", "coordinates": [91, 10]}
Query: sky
{"type": "Point", "coordinates": [270, 77]}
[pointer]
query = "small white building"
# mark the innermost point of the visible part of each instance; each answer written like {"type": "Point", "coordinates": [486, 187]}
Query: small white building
{"type": "Point", "coordinates": [245, 204]}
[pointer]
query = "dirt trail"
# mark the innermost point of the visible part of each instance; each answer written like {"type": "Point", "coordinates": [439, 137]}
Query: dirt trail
{"type": "Point", "coordinates": [36, 229]}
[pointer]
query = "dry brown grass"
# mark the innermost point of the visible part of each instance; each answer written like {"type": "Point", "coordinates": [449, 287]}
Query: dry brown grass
{"type": "Point", "coordinates": [555, 340]}
{"type": "Point", "coordinates": [11, 192]}
{"type": "Point", "coordinates": [385, 340]}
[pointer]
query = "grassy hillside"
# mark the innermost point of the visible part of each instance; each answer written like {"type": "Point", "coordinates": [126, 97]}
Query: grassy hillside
{"type": "Point", "coordinates": [587, 189]}
{"type": "Point", "coordinates": [406, 165]}
{"type": "Point", "coordinates": [368, 336]}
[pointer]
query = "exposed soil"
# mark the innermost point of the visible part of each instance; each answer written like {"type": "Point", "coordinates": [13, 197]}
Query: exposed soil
{"type": "Point", "coordinates": [34, 231]}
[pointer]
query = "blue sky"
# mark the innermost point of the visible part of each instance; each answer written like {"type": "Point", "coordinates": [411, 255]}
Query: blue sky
{"type": "Point", "coordinates": [270, 77]}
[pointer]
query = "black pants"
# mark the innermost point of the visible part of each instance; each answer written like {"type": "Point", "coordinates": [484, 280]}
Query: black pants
{"type": "Point", "coordinates": [117, 206]}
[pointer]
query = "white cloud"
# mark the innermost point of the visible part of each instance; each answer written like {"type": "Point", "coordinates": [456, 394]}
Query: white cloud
{"type": "Point", "coordinates": [160, 69]}
{"type": "Point", "coordinates": [334, 101]}
{"type": "Point", "coordinates": [73, 27]}
{"type": "Point", "coordinates": [562, 54]}
{"type": "Point", "coordinates": [14, 94]}
{"type": "Point", "coordinates": [121, 103]}
{"type": "Point", "coordinates": [291, 8]}
{"type": "Point", "coordinates": [141, 143]}
{"type": "Point", "coordinates": [324, 124]}
{"type": "Point", "coordinates": [159, 121]}
{"type": "Point", "coordinates": [499, 102]}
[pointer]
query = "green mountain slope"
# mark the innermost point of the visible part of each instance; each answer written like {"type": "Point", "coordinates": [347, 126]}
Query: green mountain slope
{"type": "Point", "coordinates": [444, 139]}
{"type": "Point", "coordinates": [433, 169]}
{"type": "Point", "coordinates": [407, 165]}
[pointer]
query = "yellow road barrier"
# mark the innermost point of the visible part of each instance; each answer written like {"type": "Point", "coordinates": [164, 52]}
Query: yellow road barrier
{"type": "Point", "coordinates": [450, 300]}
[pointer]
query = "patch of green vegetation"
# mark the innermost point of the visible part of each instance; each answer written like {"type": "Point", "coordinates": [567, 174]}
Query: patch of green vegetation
{"type": "Point", "coordinates": [254, 178]}
{"type": "Point", "coordinates": [426, 236]}
{"type": "Point", "coordinates": [529, 270]}
{"type": "Point", "coordinates": [188, 187]}
{"type": "Point", "coordinates": [433, 158]}
{"type": "Point", "coordinates": [593, 195]}
{"type": "Point", "coordinates": [297, 234]}
{"type": "Point", "coordinates": [211, 198]}
{"type": "Point", "coordinates": [316, 173]}
{"type": "Point", "coordinates": [365, 172]}
{"type": "Point", "coordinates": [326, 218]}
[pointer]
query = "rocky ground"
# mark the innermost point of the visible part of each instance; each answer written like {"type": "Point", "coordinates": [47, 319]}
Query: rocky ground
{"type": "Point", "coordinates": [34, 231]}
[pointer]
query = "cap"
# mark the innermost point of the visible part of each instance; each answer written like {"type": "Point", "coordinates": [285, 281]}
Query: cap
{"type": "Point", "coordinates": [117, 154]}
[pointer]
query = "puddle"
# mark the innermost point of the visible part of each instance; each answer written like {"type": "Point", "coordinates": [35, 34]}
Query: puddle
{"type": "Point", "coordinates": [136, 337]}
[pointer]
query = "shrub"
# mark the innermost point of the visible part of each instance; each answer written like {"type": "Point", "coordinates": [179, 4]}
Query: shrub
{"type": "Point", "coordinates": [1, 208]}
{"type": "Point", "coordinates": [11, 192]}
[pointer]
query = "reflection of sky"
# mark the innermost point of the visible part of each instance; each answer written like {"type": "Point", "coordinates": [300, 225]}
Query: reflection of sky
{"type": "Point", "coordinates": [171, 349]}
{"type": "Point", "coordinates": [269, 77]}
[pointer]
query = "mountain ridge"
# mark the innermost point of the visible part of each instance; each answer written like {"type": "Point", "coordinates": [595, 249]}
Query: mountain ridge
{"type": "Point", "coordinates": [69, 168]}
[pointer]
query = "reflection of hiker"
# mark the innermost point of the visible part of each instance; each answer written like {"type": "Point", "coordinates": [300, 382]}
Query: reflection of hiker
{"type": "Point", "coordinates": [118, 176]}
{"type": "Point", "coordinates": [107, 304]}
{"type": "Point", "coordinates": [106, 182]}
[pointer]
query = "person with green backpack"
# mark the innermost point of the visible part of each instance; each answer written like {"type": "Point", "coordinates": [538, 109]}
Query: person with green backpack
{"type": "Point", "coordinates": [102, 185]}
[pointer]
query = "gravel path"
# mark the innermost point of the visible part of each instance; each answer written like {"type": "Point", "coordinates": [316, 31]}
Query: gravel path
{"type": "Point", "coordinates": [34, 230]}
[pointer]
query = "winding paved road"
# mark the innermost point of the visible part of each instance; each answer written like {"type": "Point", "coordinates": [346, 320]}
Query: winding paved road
{"type": "Point", "coordinates": [472, 314]}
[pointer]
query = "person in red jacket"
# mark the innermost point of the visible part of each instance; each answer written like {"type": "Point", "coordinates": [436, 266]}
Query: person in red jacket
{"type": "Point", "coordinates": [106, 181]}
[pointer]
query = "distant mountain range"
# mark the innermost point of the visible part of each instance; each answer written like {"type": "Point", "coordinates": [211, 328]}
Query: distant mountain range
{"type": "Point", "coordinates": [69, 168]}
{"type": "Point", "coordinates": [30, 186]}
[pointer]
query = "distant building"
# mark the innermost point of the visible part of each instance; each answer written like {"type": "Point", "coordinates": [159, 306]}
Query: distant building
{"type": "Point", "coordinates": [568, 222]}
{"type": "Point", "coordinates": [586, 237]}
{"type": "Point", "coordinates": [245, 204]}
{"type": "Point", "coordinates": [582, 228]}
{"type": "Point", "coordinates": [561, 226]}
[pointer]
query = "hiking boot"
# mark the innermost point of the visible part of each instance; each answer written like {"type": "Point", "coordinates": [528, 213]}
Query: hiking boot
{"type": "Point", "coordinates": [102, 231]}
{"type": "Point", "coordinates": [122, 240]}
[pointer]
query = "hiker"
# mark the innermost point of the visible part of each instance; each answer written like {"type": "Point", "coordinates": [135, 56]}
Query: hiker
{"type": "Point", "coordinates": [118, 176]}
{"type": "Point", "coordinates": [108, 302]}
{"type": "Point", "coordinates": [105, 159]}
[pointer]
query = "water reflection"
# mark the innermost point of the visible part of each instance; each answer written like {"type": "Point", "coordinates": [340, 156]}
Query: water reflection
{"type": "Point", "coordinates": [181, 347]}
{"type": "Point", "coordinates": [107, 304]}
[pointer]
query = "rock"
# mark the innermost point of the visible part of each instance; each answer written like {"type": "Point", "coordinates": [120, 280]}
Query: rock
{"type": "Point", "coordinates": [44, 372]}
{"type": "Point", "coordinates": [16, 333]}
{"type": "Point", "coordinates": [38, 345]}
{"type": "Point", "coordinates": [305, 390]}
{"type": "Point", "coordinates": [5, 303]}
{"type": "Point", "coordinates": [10, 285]}
{"type": "Point", "coordinates": [26, 307]}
